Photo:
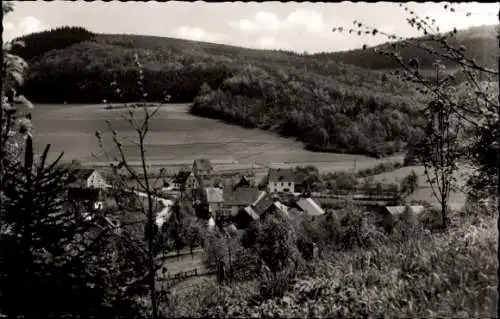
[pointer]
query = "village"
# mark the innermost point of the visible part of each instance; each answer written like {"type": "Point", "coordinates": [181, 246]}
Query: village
{"type": "Point", "coordinates": [232, 200]}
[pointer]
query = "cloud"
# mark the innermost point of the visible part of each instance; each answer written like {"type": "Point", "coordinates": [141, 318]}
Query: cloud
{"type": "Point", "coordinates": [26, 25]}
{"type": "Point", "coordinates": [30, 24]}
{"type": "Point", "coordinates": [269, 42]}
{"type": "Point", "coordinates": [310, 20]}
{"type": "Point", "coordinates": [262, 22]}
{"type": "Point", "coordinates": [266, 22]}
{"type": "Point", "coordinates": [480, 14]}
{"type": "Point", "coordinates": [196, 34]}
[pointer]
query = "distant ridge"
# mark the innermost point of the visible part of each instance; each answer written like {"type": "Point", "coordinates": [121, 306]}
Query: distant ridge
{"type": "Point", "coordinates": [319, 99]}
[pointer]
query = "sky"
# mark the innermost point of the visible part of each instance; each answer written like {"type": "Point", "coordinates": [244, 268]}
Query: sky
{"type": "Point", "coordinates": [299, 27]}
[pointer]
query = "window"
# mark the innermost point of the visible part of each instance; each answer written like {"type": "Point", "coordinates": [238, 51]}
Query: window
{"type": "Point", "coordinates": [281, 183]}
{"type": "Point", "coordinates": [289, 184]}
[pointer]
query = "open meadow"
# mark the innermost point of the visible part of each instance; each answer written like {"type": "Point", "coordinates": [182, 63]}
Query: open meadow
{"type": "Point", "coordinates": [176, 138]}
{"type": "Point", "coordinates": [424, 191]}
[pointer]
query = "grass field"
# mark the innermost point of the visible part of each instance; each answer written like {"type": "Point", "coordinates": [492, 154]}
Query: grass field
{"type": "Point", "coordinates": [424, 192]}
{"type": "Point", "coordinates": [175, 137]}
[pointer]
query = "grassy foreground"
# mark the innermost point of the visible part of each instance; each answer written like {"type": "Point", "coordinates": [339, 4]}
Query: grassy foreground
{"type": "Point", "coordinates": [412, 272]}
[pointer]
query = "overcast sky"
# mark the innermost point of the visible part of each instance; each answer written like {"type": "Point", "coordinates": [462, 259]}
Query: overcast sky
{"type": "Point", "coordinates": [273, 25]}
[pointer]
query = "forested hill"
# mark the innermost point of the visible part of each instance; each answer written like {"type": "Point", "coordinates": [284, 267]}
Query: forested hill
{"type": "Point", "coordinates": [480, 43]}
{"type": "Point", "coordinates": [328, 105]}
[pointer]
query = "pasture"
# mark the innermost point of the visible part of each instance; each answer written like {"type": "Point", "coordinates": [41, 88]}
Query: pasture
{"type": "Point", "coordinates": [175, 138]}
{"type": "Point", "coordinates": [424, 191]}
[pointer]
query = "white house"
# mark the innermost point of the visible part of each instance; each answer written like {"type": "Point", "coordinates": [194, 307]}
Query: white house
{"type": "Point", "coordinates": [215, 198]}
{"type": "Point", "coordinates": [191, 182]}
{"type": "Point", "coordinates": [281, 180]}
{"type": "Point", "coordinates": [87, 178]}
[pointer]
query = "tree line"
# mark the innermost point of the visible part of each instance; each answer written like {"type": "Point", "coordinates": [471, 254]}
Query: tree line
{"type": "Point", "coordinates": [353, 110]}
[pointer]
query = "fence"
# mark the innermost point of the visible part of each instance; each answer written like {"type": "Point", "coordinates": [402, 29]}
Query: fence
{"type": "Point", "coordinates": [187, 274]}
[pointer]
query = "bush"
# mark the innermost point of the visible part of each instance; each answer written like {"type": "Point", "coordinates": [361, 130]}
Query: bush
{"type": "Point", "coordinates": [409, 273]}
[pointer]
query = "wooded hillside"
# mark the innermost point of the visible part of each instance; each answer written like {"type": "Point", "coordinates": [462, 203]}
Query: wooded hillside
{"type": "Point", "coordinates": [330, 106]}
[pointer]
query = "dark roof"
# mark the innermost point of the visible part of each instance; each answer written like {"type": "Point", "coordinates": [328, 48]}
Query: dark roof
{"type": "Point", "coordinates": [80, 174]}
{"type": "Point", "coordinates": [205, 181]}
{"type": "Point", "coordinates": [181, 177]}
{"type": "Point", "coordinates": [243, 182]}
{"type": "Point", "coordinates": [263, 204]}
{"type": "Point", "coordinates": [240, 196]}
{"type": "Point", "coordinates": [281, 175]}
{"type": "Point", "coordinates": [83, 193]}
{"type": "Point", "coordinates": [203, 164]}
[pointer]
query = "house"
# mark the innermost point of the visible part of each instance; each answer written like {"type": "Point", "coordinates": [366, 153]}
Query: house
{"type": "Point", "coordinates": [239, 198]}
{"type": "Point", "coordinates": [180, 180]}
{"type": "Point", "coordinates": [265, 205]}
{"type": "Point", "coordinates": [214, 198]}
{"type": "Point", "coordinates": [245, 217]}
{"type": "Point", "coordinates": [243, 182]}
{"type": "Point", "coordinates": [309, 207]}
{"type": "Point", "coordinates": [275, 208]}
{"type": "Point", "coordinates": [191, 184]}
{"type": "Point", "coordinates": [202, 167]}
{"type": "Point", "coordinates": [86, 178]}
{"type": "Point", "coordinates": [281, 180]}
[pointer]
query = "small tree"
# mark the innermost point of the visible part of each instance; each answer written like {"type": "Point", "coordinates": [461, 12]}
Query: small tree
{"type": "Point", "coordinates": [409, 184]}
{"type": "Point", "coordinates": [440, 151]}
{"type": "Point", "coordinates": [194, 232]}
{"type": "Point", "coordinates": [139, 116]}
{"type": "Point", "coordinates": [445, 114]}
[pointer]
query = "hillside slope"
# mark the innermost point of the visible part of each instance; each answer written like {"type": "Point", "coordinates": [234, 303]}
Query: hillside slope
{"type": "Point", "coordinates": [481, 44]}
{"type": "Point", "coordinates": [327, 105]}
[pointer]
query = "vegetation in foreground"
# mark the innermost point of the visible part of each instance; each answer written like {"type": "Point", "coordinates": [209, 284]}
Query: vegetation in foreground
{"type": "Point", "coordinates": [410, 272]}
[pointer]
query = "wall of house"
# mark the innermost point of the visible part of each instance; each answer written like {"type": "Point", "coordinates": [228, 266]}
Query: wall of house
{"type": "Point", "coordinates": [225, 210]}
{"type": "Point", "coordinates": [281, 187]}
{"type": "Point", "coordinates": [191, 183]}
{"type": "Point", "coordinates": [96, 181]}
{"type": "Point", "coordinates": [214, 208]}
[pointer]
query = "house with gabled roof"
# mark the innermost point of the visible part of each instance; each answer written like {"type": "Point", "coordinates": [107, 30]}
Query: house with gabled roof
{"type": "Point", "coordinates": [265, 205]}
{"type": "Point", "coordinates": [180, 179]}
{"type": "Point", "coordinates": [281, 180]}
{"type": "Point", "coordinates": [214, 198]}
{"type": "Point", "coordinates": [86, 178]}
{"type": "Point", "coordinates": [239, 198]}
{"type": "Point", "coordinates": [308, 206]}
{"type": "Point", "coordinates": [243, 182]}
{"type": "Point", "coordinates": [191, 184]}
{"type": "Point", "coordinates": [202, 167]}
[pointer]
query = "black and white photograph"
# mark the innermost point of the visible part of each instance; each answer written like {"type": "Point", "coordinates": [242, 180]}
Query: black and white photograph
{"type": "Point", "coordinates": [265, 159]}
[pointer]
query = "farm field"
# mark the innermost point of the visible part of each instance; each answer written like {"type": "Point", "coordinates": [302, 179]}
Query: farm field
{"type": "Point", "coordinates": [398, 175]}
{"type": "Point", "coordinates": [424, 192]}
{"type": "Point", "coordinates": [176, 137]}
